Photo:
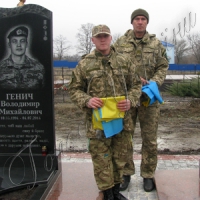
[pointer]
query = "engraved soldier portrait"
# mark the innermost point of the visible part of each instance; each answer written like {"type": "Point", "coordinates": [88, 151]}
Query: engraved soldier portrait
{"type": "Point", "coordinates": [18, 70]}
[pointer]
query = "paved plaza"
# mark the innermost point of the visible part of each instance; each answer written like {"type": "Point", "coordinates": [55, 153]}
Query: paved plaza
{"type": "Point", "coordinates": [78, 167]}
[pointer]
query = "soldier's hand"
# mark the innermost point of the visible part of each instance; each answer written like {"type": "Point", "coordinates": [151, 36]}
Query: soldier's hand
{"type": "Point", "coordinates": [95, 103]}
{"type": "Point", "coordinates": [124, 105]}
{"type": "Point", "coordinates": [144, 82]}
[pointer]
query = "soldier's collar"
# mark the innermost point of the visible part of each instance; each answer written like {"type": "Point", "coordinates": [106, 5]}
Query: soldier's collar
{"type": "Point", "coordinates": [99, 54]}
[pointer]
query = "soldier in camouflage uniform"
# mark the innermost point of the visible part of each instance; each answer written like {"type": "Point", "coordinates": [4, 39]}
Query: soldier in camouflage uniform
{"type": "Point", "coordinates": [18, 70]}
{"type": "Point", "coordinates": [105, 73]}
{"type": "Point", "coordinates": [149, 55]}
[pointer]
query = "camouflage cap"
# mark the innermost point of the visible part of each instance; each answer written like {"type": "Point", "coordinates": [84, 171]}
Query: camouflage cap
{"type": "Point", "coordinates": [100, 29]}
{"type": "Point", "coordinates": [19, 31]}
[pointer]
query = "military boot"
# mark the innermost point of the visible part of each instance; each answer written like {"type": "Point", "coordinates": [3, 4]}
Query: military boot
{"type": "Point", "coordinates": [108, 194]}
{"type": "Point", "coordinates": [126, 181]}
{"type": "Point", "coordinates": [117, 195]}
{"type": "Point", "coordinates": [149, 184]}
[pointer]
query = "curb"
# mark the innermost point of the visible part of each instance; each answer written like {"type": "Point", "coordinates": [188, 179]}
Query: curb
{"type": "Point", "coordinates": [135, 156]}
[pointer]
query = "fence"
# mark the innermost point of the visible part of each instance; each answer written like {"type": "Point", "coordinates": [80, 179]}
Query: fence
{"type": "Point", "coordinates": [62, 75]}
{"type": "Point", "coordinates": [184, 69]}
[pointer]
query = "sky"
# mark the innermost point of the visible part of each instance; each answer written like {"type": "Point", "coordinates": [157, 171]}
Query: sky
{"type": "Point", "coordinates": [165, 16]}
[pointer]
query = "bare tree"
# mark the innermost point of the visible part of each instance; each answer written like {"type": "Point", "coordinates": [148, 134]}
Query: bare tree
{"type": "Point", "coordinates": [181, 49]}
{"type": "Point", "coordinates": [61, 46]}
{"type": "Point", "coordinates": [115, 37]}
{"type": "Point", "coordinates": [194, 41]}
{"type": "Point", "coordinates": [84, 39]}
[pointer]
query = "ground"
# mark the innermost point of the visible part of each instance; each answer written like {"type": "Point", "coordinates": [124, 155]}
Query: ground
{"type": "Point", "coordinates": [178, 131]}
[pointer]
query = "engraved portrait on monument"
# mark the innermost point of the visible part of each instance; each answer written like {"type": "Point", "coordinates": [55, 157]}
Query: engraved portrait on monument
{"type": "Point", "coordinates": [26, 79]}
{"type": "Point", "coordinates": [19, 69]}
{"type": "Point", "coordinates": [27, 129]}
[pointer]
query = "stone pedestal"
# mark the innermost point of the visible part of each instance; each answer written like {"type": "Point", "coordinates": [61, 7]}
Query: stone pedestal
{"type": "Point", "coordinates": [27, 128]}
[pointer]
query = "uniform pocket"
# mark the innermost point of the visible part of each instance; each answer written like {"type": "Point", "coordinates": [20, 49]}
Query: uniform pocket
{"type": "Point", "coordinates": [95, 81]}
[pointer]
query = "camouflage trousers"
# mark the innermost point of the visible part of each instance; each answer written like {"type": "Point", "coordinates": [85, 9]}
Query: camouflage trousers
{"type": "Point", "coordinates": [109, 155]}
{"type": "Point", "coordinates": [148, 118]}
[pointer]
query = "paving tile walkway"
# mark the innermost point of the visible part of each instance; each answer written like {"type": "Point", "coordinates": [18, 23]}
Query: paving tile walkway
{"type": "Point", "coordinates": [71, 162]}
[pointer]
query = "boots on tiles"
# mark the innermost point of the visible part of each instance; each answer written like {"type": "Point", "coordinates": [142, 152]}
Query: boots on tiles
{"type": "Point", "coordinates": [108, 194]}
{"type": "Point", "coordinates": [149, 184]}
{"type": "Point", "coordinates": [117, 195]}
{"type": "Point", "coordinates": [126, 181]}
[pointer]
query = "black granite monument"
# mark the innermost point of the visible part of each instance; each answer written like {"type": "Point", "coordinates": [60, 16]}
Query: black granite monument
{"type": "Point", "coordinates": [27, 132]}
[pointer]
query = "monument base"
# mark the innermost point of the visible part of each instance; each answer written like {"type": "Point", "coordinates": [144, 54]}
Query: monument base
{"type": "Point", "coordinates": [43, 190]}
{"type": "Point", "coordinates": [29, 171]}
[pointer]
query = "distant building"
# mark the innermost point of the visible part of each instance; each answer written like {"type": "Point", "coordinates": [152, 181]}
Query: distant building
{"type": "Point", "coordinates": [170, 51]}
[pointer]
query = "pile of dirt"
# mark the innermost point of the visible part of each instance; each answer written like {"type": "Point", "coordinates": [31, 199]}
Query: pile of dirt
{"type": "Point", "coordinates": [180, 127]}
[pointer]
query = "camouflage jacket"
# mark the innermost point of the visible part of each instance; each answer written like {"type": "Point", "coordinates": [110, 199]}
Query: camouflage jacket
{"type": "Point", "coordinates": [104, 76]}
{"type": "Point", "coordinates": [25, 76]}
{"type": "Point", "coordinates": [148, 54]}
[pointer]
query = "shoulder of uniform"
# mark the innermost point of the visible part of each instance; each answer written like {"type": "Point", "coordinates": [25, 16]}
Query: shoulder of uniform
{"type": "Point", "coordinates": [127, 36]}
{"type": "Point", "coordinates": [152, 35]}
{"type": "Point", "coordinates": [86, 58]}
{"type": "Point", "coordinates": [151, 38]}
{"type": "Point", "coordinates": [113, 48]}
{"type": "Point", "coordinates": [148, 37]}
{"type": "Point", "coordinates": [89, 55]}
{"type": "Point", "coordinates": [156, 40]}
{"type": "Point", "coordinates": [34, 62]}
{"type": "Point", "coordinates": [3, 63]}
{"type": "Point", "coordinates": [128, 32]}
{"type": "Point", "coordinates": [83, 56]}
{"type": "Point", "coordinates": [124, 39]}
